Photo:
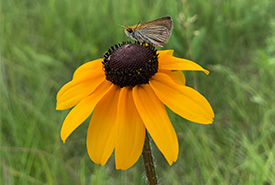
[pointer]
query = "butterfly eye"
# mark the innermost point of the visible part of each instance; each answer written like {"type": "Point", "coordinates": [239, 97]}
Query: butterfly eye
{"type": "Point", "coordinates": [130, 30]}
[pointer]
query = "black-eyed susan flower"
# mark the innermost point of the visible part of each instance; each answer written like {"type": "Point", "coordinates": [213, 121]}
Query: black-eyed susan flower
{"type": "Point", "coordinates": [127, 91]}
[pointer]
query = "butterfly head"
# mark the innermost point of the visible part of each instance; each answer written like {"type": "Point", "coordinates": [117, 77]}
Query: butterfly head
{"type": "Point", "coordinates": [129, 31]}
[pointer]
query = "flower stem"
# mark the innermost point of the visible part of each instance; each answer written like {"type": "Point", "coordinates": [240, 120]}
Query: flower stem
{"type": "Point", "coordinates": [148, 162]}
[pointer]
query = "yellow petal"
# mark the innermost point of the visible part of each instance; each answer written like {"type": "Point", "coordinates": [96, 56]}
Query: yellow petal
{"type": "Point", "coordinates": [156, 121]}
{"type": "Point", "coordinates": [177, 76]}
{"type": "Point", "coordinates": [130, 131]}
{"type": "Point", "coordinates": [77, 89]}
{"type": "Point", "coordinates": [174, 63]}
{"type": "Point", "coordinates": [180, 76]}
{"type": "Point", "coordinates": [83, 110]}
{"type": "Point", "coordinates": [165, 52]}
{"type": "Point", "coordinates": [183, 100]}
{"type": "Point", "coordinates": [90, 67]}
{"type": "Point", "coordinates": [102, 129]}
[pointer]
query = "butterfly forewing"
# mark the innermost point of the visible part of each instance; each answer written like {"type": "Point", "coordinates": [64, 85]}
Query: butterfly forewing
{"type": "Point", "coordinates": [164, 21]}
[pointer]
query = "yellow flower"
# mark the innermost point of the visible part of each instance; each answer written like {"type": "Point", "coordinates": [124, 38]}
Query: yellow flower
{"type": "Point", "coordinates": [126, 91]}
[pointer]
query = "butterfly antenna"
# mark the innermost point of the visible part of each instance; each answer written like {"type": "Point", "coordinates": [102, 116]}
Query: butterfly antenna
{"type": "Point", "coordinates": [123, 26]}
{"type": "Point", "coordinates": [137, 24]}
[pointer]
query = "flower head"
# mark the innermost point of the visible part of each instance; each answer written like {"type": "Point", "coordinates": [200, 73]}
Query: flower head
{"type": "Point", "coordinates": [127, 92]}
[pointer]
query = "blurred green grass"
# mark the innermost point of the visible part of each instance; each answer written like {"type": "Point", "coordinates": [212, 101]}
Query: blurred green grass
{"type": "Point", "coordinates": [43, 42]}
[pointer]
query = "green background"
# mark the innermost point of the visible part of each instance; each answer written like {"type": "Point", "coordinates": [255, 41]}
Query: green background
{"type": "Point", "coordinates": [44, 41]}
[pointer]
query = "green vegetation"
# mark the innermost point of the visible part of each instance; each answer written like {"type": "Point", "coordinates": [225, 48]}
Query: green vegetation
{"type": "Point", "coordinates": [43, 42]}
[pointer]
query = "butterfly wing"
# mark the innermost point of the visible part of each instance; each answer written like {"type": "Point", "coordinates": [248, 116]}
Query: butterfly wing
{"type": "Point", "coordinates": [155, 32]}
{"type": "Point", "coordinates": [164, 21]}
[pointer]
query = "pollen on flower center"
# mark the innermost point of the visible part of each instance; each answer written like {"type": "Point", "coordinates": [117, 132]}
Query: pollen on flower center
{"type": "Point", "coordinates": [130, 64]}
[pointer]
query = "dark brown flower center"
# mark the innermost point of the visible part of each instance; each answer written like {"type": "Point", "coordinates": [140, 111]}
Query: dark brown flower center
{"type": "Point", "coordinates": [130, 64]}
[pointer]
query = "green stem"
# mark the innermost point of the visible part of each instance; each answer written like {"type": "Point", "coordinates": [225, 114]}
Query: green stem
{"type": "Point", "coordinates": [148, 162]}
